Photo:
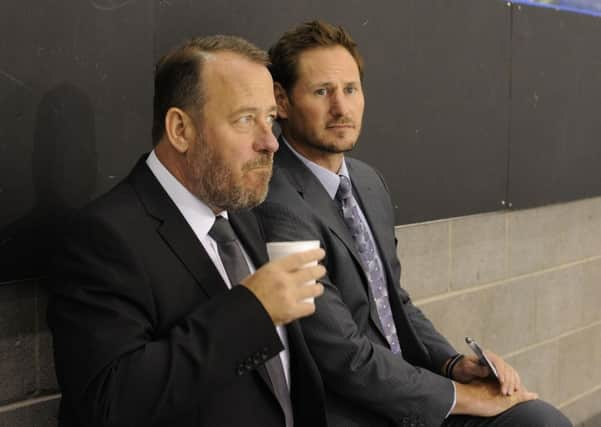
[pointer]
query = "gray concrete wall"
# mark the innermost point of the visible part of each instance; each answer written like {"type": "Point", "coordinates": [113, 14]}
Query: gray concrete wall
{"type": "Point", "coordinates": [28, 388]}
{"type": "Point", "coordinates": [526, 284]}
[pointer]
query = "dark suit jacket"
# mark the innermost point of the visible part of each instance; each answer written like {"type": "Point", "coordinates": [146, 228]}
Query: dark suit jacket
{"type": "Point", "coordinates": [366, 384]}
{"type": "Point", "coordinates": [146, 333]}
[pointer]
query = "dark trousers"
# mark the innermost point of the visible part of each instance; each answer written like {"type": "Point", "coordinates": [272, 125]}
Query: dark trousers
{"type": "Point", "coordinates": [535, 413]}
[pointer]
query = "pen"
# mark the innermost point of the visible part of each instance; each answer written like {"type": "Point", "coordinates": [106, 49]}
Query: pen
{"type": "Point", "coordinates": [485, 361]}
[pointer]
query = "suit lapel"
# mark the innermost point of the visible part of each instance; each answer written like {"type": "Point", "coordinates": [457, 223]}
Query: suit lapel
{"type": "Point", "coordinates": [369, 199]}
{"type": "Point", "coordinates": [248, 232]}
{"type": "Point", "coordinates": [368, 196]}
{"type": "Point", "coordinates": [364, 194]}
{"type": "Point", "coordinates": [175, 231]}
{"type": "Point", "coordinates": [310, 189]}
{"type": "Point", "coordinates": [178, 235]}
{"type": "Point", "coordinates": [317, 197]}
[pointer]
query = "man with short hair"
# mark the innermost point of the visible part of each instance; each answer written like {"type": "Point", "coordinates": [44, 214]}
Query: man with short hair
{"type": "Point", "coordinates": [158, 315]}
{"type": "Point", "coordinates": [382, 361]}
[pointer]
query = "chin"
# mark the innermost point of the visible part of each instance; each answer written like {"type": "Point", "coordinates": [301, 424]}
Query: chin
{"type": "Point", "coordinates": [256, 198]}
{"type": "Point", "coordinates": [338, 147]}
{"type": "Point", "coordinates": [258, 178]}
{"type": "Point", "coordinates": [257, 184]}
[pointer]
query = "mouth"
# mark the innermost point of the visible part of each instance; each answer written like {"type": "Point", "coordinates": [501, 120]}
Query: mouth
{"type": "Point", "coordinates": [341, 126]}
{"type": "Point", "coordinates": [260, 164]}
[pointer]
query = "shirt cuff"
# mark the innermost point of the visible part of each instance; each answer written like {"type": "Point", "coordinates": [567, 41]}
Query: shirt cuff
{"type": "Point", "coordinates": [454, 400]}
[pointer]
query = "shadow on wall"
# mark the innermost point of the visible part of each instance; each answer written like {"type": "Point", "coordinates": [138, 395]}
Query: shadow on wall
{"type": "Point", "coordinates": [64, 163]}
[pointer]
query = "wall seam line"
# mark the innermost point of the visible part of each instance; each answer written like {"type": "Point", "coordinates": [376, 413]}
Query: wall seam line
{"type": "Point", "coordinates": [505, 282]}
{"type": "Point", "coordinates": [28, 402]}
{"type": "Point", "coordinates": [579, 396]}
{"type": "Point", "coordinates": [552, 340]}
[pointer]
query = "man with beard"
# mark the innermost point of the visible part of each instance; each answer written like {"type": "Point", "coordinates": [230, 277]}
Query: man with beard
{"type": "Point", "coordinates": [158, 314]}
{"type": "Point", "coordinates": [383, 363]}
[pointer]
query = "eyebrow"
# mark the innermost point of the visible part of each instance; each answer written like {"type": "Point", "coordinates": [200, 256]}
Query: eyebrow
{"type": "Point", "coordinates": [254, 110]}
{"type": "Point", "coordinates": [330, 84]}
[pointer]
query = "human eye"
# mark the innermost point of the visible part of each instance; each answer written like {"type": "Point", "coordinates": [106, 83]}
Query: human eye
{"type": "Point", "coordinates": [271, 119]}
{"type": "Point", "coordinates": [321, 91]}
{"type": "Point", "coordinates": [351, 89]}
{"type": "Point", "coordinates": [245, 120]}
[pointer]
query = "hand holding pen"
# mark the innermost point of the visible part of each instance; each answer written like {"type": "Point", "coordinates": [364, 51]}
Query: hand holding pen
{"type": "Point", "coordinates": [486, 364]}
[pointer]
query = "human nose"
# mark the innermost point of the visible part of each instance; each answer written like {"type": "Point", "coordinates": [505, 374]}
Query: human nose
{"type": "Point", "coordinates": [266, 140]}
{"type": "Point", "coordinates": [338, 104]}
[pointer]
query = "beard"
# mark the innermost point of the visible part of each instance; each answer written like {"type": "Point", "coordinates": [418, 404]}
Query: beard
{"type": "Point", "coordinates": [215, 182]}
{"type": "Point", "coordinates": [326, 143]}
{"type": "Point", "coordinates": [329, 147]}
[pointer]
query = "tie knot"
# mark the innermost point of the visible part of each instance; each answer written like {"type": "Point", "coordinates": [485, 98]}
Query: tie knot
{"type": "Point", "coordinates": [222, 231]}
{"type": "Point", "coordinates": [344, 188]}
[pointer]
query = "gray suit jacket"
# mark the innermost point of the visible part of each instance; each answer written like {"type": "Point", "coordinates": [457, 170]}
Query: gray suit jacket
{"type": "Point", "coordinates": [366, 384]}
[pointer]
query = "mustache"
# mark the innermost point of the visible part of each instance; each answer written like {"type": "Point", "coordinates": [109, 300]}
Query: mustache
{"type": "Point", "coordinates": [343, 121]}
{"type": "Point", "coordinates": [264, 161]}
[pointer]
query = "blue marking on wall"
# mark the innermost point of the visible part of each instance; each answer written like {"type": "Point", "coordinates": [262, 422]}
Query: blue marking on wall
{"type": "Point", "coordinates": [587, 7]}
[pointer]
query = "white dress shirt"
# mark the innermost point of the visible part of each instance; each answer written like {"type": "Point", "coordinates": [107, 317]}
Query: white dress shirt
{"type": "Point", "coordinates": [201, 218]}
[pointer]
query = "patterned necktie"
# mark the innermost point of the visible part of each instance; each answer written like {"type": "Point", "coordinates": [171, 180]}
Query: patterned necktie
{"type": "Point", "coordinates": [371, 264]}
{"type": "Point", "coordinates": [237, 269]}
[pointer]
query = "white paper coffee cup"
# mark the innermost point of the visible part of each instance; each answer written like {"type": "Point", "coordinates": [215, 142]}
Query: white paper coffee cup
{"type": "Point", "coordinates": [277, 250]}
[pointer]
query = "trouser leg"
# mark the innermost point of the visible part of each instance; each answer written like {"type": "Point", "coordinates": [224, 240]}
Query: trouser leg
{"type": "Point", "coordinates": [534, 413]}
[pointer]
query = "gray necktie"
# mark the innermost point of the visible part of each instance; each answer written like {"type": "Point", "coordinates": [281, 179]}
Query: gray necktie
{"type": "Point", "coordinates": [371, 264]}
{"type": "Point", "coordinates": [237, 269]}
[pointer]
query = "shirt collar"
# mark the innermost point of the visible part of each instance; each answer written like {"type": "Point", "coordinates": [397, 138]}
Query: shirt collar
{"type": "Point", "coordinates": [328, 179]}
{"type": "Point", "coordinates": [197, 213]}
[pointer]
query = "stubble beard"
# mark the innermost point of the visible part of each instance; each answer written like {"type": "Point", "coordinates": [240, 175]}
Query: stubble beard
{"type": "Point", "coordinates": [313, 140]}
{"type": "Point", "coordinates": [215, 183]}
{"type": "Point", "coordinates": [329, 147]}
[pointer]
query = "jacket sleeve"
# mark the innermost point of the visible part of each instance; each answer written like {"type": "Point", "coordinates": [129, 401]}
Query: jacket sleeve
{"type": "Point", "coordinates": [114, 365]}
{"type": "Point", "coordinates": [352, 364]}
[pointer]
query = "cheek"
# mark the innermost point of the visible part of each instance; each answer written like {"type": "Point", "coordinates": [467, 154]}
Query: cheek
{"type": "Point", "coordinates": [229, 148]}
{"type": "Point", "coordinates": [360, 107]}
{"type": "Point", "coordinates": [314, 117]}
{"type": "Point", "coordinates": [310, 111]}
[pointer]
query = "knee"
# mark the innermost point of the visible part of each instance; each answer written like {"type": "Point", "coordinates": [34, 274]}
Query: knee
{"type": "Point", "coordinates": [538, 413]}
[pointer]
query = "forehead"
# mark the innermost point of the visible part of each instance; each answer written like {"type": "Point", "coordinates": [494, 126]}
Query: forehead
{"type": "Point", "coordinates": [325, 64]}
{"type": "Point", "coordinates": [230, 80]}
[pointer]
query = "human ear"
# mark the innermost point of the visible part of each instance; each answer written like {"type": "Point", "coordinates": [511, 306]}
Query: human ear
{"type": "Point", "coordinates": [179, 129]}
{"type": "Point", "coordinates": [281, 99]}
